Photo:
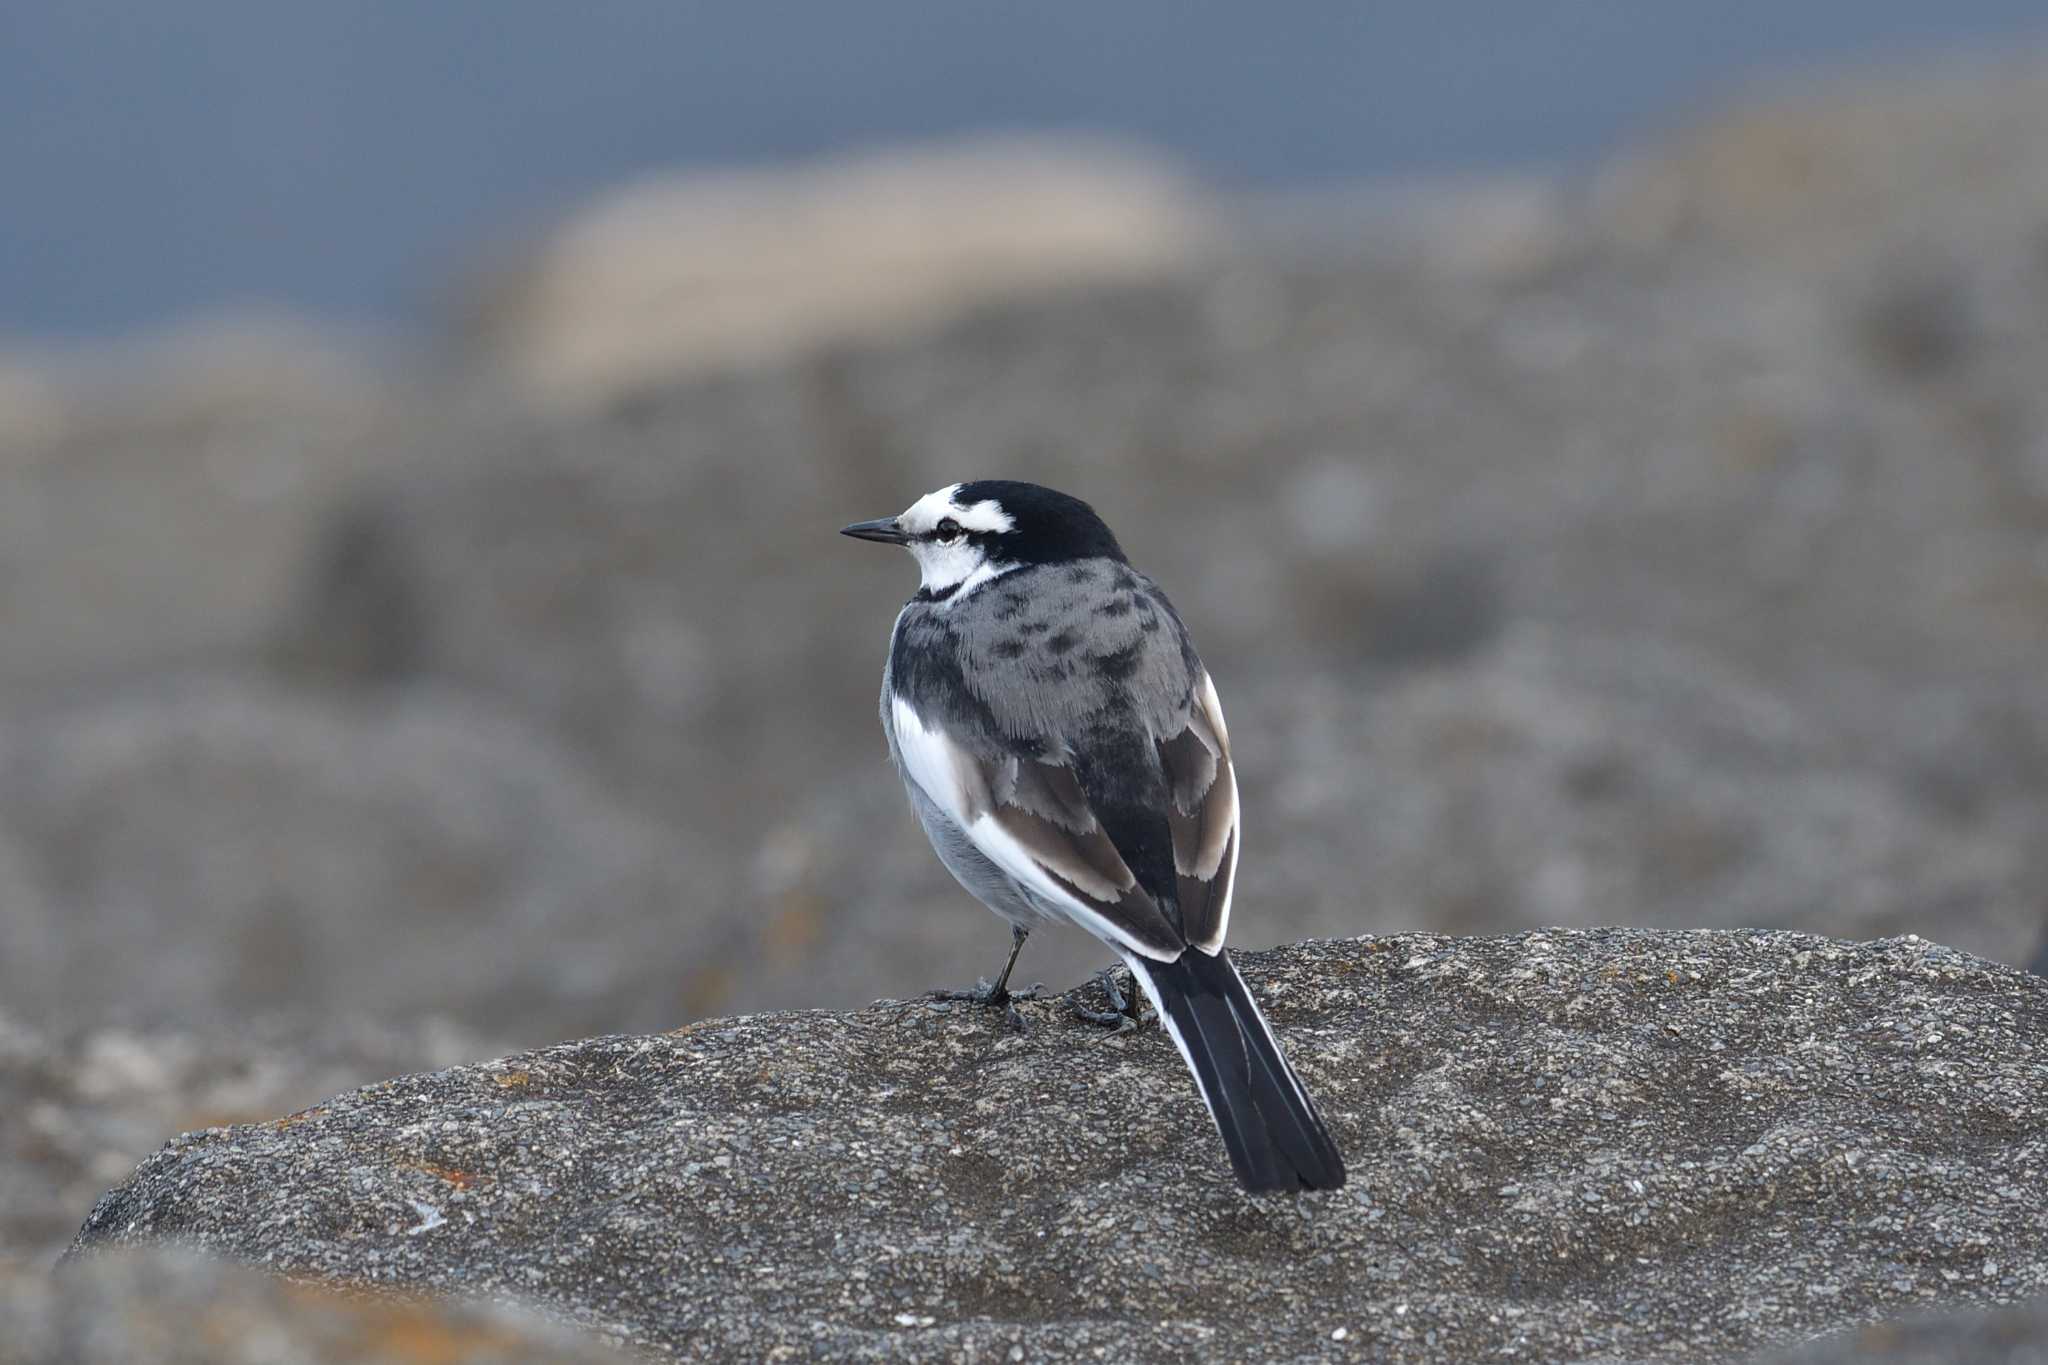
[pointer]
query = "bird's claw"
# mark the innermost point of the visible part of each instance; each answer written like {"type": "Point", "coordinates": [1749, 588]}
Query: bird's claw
{"type": "Point", "coordinates": [1124, 1012]}
{"type": "Point", "coordinates": [988, 996]}
{"type": "Point", "coordinates": [1116, 1021]}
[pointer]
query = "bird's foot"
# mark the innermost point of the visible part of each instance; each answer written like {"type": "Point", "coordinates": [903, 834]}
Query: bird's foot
{"type": "Point", "coordinates": [1125, 1010]}
{"type": "Point", "coordinates": [986, 995]}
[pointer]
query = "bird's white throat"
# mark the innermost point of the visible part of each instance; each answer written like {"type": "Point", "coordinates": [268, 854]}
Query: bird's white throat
{"type": "Point", "coordinates": [953, 571]}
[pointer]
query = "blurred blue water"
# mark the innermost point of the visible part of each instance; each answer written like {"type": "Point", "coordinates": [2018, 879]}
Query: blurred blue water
{"type": "Point", "coordinates": [157, 159]}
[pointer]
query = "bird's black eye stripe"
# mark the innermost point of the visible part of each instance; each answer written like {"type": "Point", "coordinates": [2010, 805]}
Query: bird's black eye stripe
{"type": "Point", "coordinates": [947, 531]}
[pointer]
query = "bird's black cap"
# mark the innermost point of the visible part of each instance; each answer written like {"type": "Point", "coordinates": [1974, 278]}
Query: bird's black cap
{"type": "Point", "coordinates": [1051, 527]}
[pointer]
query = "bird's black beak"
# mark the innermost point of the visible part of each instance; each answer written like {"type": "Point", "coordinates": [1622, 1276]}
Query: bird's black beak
{"type": "Point", "coordinates": [885, 530]}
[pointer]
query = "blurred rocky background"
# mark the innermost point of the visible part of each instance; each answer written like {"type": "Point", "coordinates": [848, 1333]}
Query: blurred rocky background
{"type": "Point", "coordinates": [1662, 541]}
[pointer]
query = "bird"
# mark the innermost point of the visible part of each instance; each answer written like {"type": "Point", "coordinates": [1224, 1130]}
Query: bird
{"type": "Point", "coordinates": [1064, 749]}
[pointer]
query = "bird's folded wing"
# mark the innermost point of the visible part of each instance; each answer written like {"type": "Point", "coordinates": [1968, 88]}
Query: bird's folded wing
{"type": "Point", "coordinates": [1032, 820]}
{"type": "Point", "coordinates": [1202, 814]}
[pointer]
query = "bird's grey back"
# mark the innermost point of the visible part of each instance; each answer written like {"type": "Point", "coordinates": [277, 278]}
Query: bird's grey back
{"type": "Point", "coordinates": [1043, 657]}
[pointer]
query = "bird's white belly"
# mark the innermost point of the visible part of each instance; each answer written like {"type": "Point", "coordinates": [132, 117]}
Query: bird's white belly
{"type": "Point", "coordinates": [986, 882]}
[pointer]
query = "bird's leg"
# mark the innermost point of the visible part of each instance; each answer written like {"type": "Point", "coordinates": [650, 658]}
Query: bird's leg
{"type": "Point", "coordinates": [998, 996]}
{"type": "Point", "coordinates": [1125, 1010]}
{"type": "Point", "coordinates": [1132, 1005]}
{"type": "Point", "coordinates": [999, 993]}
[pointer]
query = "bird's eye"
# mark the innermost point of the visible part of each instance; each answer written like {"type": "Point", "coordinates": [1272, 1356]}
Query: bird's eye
{"type": "Point", "coordinates": [947, 531]}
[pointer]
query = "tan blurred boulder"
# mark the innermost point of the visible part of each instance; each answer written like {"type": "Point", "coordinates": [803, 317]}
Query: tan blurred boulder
{"type": "Point", "coordinates": [1957, 149]}
{"type": "Point", "coordinates": [687, 272]}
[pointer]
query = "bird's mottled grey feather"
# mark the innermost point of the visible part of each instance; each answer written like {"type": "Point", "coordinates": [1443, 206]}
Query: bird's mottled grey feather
{"type": "Point", "coordinates": [1050, 651]}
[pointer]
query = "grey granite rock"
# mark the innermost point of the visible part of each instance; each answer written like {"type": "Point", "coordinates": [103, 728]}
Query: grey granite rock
{"type": "Point", "coordinates": [224, 834]}
{"type": "Point", "coordinates": [1564, 1145]}
{"type": "Point", "coordinates": [2003, 1336]}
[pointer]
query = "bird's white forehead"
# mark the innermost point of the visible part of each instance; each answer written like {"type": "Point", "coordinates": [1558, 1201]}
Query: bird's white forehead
{"type": "Point", "coordinates": [935, 506]}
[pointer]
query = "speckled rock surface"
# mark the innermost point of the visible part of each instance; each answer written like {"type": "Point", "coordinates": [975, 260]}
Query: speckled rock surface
{"type": "Point", "coordinates": [173, 1308]}
{"type": "Point", "coordinates": [1565, 1145]}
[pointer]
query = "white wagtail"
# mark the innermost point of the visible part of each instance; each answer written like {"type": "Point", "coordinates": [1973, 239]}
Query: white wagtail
{"type": "Point", "coordinates": [1064, 749]}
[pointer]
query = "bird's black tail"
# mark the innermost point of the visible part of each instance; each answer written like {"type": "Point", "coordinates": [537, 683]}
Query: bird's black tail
{"type": "Point", "coordinates": [1276, 1139]}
